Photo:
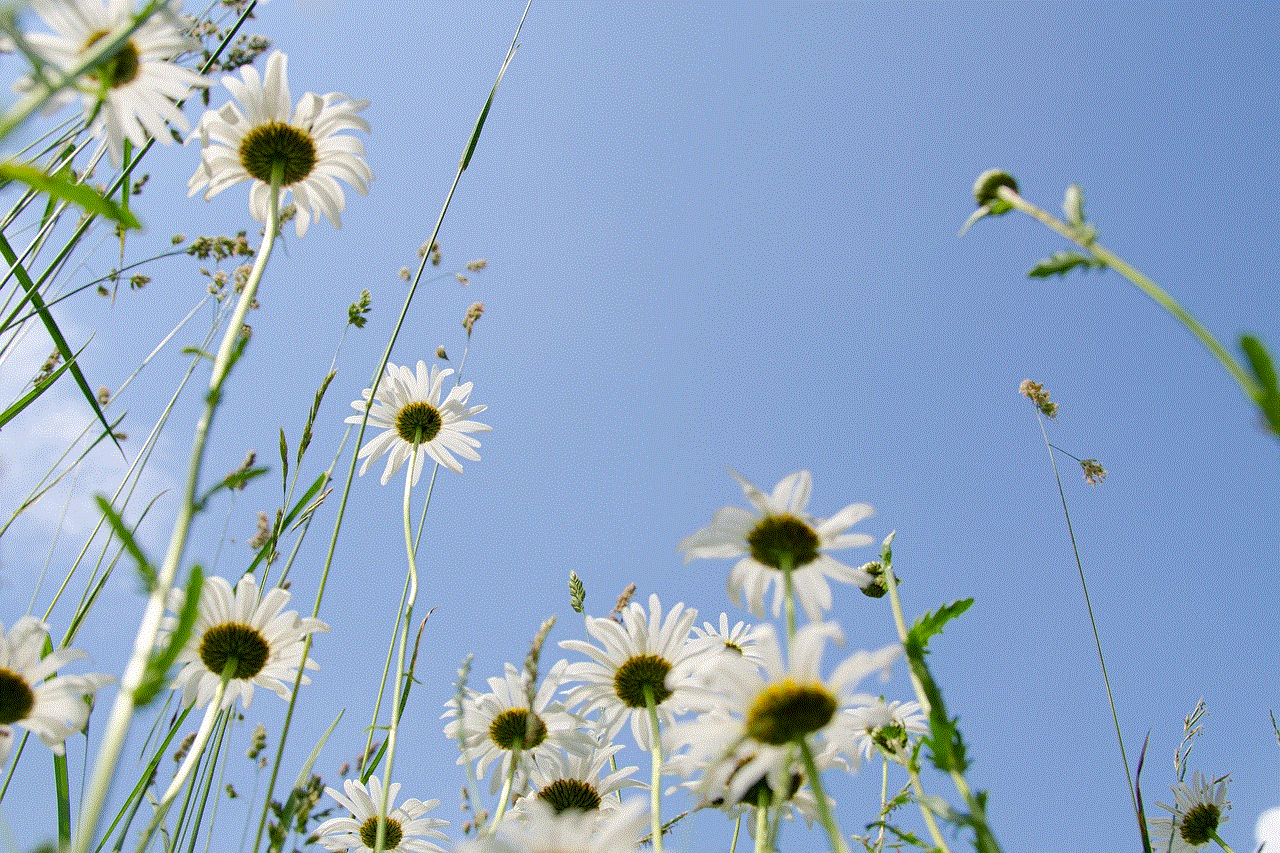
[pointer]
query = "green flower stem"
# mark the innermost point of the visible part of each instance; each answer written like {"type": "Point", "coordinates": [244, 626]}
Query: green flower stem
{"type": "Point", "coordinates": [820, 798]}
{"type": "Point", "coordinates": [144, 642]}
{"type": "Point", "coordinates": [394, 728]}
{"type": "Point", "coordinates": [1146, 285]}
{"type": "Point", "coordinates": [895, 604]}
{"type": "Point", "coordinates": [655, 776]}
{"type": "Point", "coordinates": [762, 822]}
{"type": "Point", "coordinates": [788, 598]}
{"type": "Point", "coordinates": [925, 812]}
{"type": "Point", "coordinates": [193, 756]}
{"type": "Point", "coordinates": [1213, 833]}
{"type": "Point", "coordinates": [505, 797]}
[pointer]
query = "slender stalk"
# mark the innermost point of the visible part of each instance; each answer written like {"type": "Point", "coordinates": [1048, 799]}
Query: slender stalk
{"type": "Point", "coordinates": [762, 822]}
{"type": "Point", "coordinates": [144, 642]}
{"type": "Point", "coordinates": [820, 798]}
{"type": "Point", "coordinates": [925, 813]}
{"type": "Point", "coordinates": [192, 757]}
{"type": "Point", "coordinates": [1093, 623]}
{"type": "Point", "coordinates": [655, 776]}
{"type": "Point", "coordinates": [396, 687]}
{"type": "Point", "coordinates": [505, 796]}
{"type": "Point", "coordinates": [1146, 285]}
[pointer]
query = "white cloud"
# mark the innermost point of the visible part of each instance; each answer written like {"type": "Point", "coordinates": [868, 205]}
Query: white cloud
{"type": "Point", "coordinates": [1267, 831]}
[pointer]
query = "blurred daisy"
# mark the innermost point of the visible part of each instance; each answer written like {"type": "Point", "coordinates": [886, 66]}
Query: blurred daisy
{"type": "Point", "coordinates": [644, 654]}
{"type": "Point", "coordinates": [714, 770]}
{"type": "Point", "coordinates": [780, 535]}
{"type": "Point", "coordinates": [583, 781]}
{"type": "Point", "coordinates": [265, 644]}
{"type": "Point", "coordinates": [306, 142]}
{"type": "Point", "coordinates": [51, 708]}
{"type": "Point", "coordinates": [739, 639]}
{"type": "Point", "coordinates": [887, 726]}
{"type": "Point", "coordinates": [1198, 810]}
{"type": "Point", "coordinates": [775, 707]}
{"type": "Point", "coordinates": [493, 722]}
{"type": "Point", "coordinates": [408, 410]}
{"type": "Point", "coordinates": [131, 95]}
{"type": "Point", "coordinates": [542, 830]}
{"type": "Point", "coordinates": [406, 829]}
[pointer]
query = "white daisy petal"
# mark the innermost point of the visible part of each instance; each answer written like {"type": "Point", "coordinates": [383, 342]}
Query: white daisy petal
{"type": "Point", "coordinates": [406, 829]}
{"type": "Point", "coordinates": [306, 139]}
{"type": "Point", "coordinates": [780, 528]}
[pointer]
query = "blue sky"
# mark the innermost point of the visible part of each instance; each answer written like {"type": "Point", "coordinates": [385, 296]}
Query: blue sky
{"type": "Point", "coordinates": [725, 237]}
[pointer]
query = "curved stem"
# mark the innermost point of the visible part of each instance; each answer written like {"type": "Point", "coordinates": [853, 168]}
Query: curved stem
{"type": "Point", "coordinates": [144, 642]}
{"type": "Point", "coordinates": [925, 813]}
{"type": "Point", "coordinates": [1146, 285]}
{"type": "Point", "coordinates": [194, 752]}
{"type": "Point", "coordinates": [394, 728]}
{"type": "Point", "coordinates": [506, 787]}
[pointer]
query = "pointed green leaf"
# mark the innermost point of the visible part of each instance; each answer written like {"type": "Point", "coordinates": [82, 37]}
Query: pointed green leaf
{"type": "Point", "coordinates": [1264, 371]}
{"type": "Point", "coordinates": [57, 186]}
{"type": "Point", "coordinates": [1061, 263]}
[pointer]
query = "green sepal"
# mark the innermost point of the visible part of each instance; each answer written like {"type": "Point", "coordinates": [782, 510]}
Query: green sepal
{"type": "Point", "coordinates": [1061, 263]}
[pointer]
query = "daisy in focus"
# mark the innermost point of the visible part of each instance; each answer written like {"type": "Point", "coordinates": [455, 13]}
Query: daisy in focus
{"type": "Point", "coordinates": [243, 628]}
{"type": "Point", "coordinates": [779, 539]}
{"type": "Point", "coordinates": [408, 409]}
{"type": "Point", "coordinates": [1198, 810]}
{"type": "Point", "coordinates": [493, 725]}
{"type": "Point", "coordinates": [406, 829]}
{"type": "Point", "coordinates": [131, 94]}
{"type": "Point", "coordinates": [542, 830]}
{"type": "Point", "coordinates": [773, 709]}
{"type": "Point", "coordinates": [51, 708]}
{"type": "Point", "coordinates": [645, 658]}
{"type": "Point", "coordinates": [304, 146]}
{"type": "Point", "coordinates": [582, 781]}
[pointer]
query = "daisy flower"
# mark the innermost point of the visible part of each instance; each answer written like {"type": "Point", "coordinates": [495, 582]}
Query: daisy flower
{"type": "Point", "coordinates": [1198, 810]}
{"type": "Point", "coordinates": [738, 640]}
{"type": "Point", "coordinates": [305, 142]}
{"type": "Point", "coordinates": [779, 537]}
{"type": "Point", "coordinates": [247, 628]}
{"type": "Point", "coordinates": [52, 708]}
{"type": "Point", "coordinates": [543, 830]}
{"type": "Point", "coordinates": [131, 94]}
{"type": "Point", "coordinates": [572, 780]}
{"type": "Point", "coordinates": [888, 726]}
{"type": "Point", "coordinates": [775, 707]}
{"type": "Point", "coordinates": [643, 654]}
{"type": "Point", "coordinates": [408, 410]}
{"type": "Point", "coordinates": [492, 723]}
{"type": "Point", "coordinates": [406, 829]}
{"type": "Point", "coordinates": [713, 770]}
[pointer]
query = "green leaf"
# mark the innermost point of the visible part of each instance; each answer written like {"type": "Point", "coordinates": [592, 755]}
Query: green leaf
{"type": "Point", "coordinates": [1061, 263]}
{"type": "Point", "coordinates": [57, 186]}
{"type": "Point", "coordinates": [40, 387]}
{"type": "Point", "coordinates": [1268, 397]}
{"type": "Point", "coordinates": [157, 672]}
{"type": "Point", "coordinates": [931, 623]}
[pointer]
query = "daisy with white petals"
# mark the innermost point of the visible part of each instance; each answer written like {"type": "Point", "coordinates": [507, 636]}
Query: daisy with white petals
{"type": "Point", "coordinates": [777, 708]}
{"type": "Point", "coordinates": [494, 725]}
{"type": "Point", "coordinates": [644, 658]}
{"type": "Point", "coordinates": [780, 539]}
{"type": "Point", "coordinates": [304, 147]}
{"type": "Point", "coordinates": [582, 781]}
{"type": "Point", "coordinates": [1198, 810]}
{"type": "Point", "coordinates": [240, 627]}
{"type": "Point", "coordinates": [409, 411]}
{"type": "Point", "coordinates": [887, 726]}
{"type": "Point", "coordinates": [405, 830]}
{"type": "Point", "coordinates": [131, 94]}
{"type": "Point", "coordinates": [51, 708]}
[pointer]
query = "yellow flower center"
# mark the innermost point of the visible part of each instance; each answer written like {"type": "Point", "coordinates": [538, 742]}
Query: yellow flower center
{"type": "Point", "coordinates": [16, 697]}
{"type": "Point", "coordinates": [238, 642]}
{"type": "Point", "coordinates": [517, 723]}
{"type": "Point", "coordinates": [118, 69]}
{"type": "Point", "coordinates": [392, 835]}
{"type": "Point", "coordinates": [631, 679]}
{"type": "Point", "coordinates": [783, 540]}
{"type": "Point", "coordinates": [565, 794]}
{"type": "Point", "coordinates": [786, 712]}
{"type": "Point", "coordinates": [266, 145]}
{"type": "Point", "coordinates": [418, 422]}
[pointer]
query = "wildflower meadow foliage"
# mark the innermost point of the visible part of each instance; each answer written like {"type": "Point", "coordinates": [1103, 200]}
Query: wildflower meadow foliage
{"type": "Point", "coordinates": [624, 729]}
